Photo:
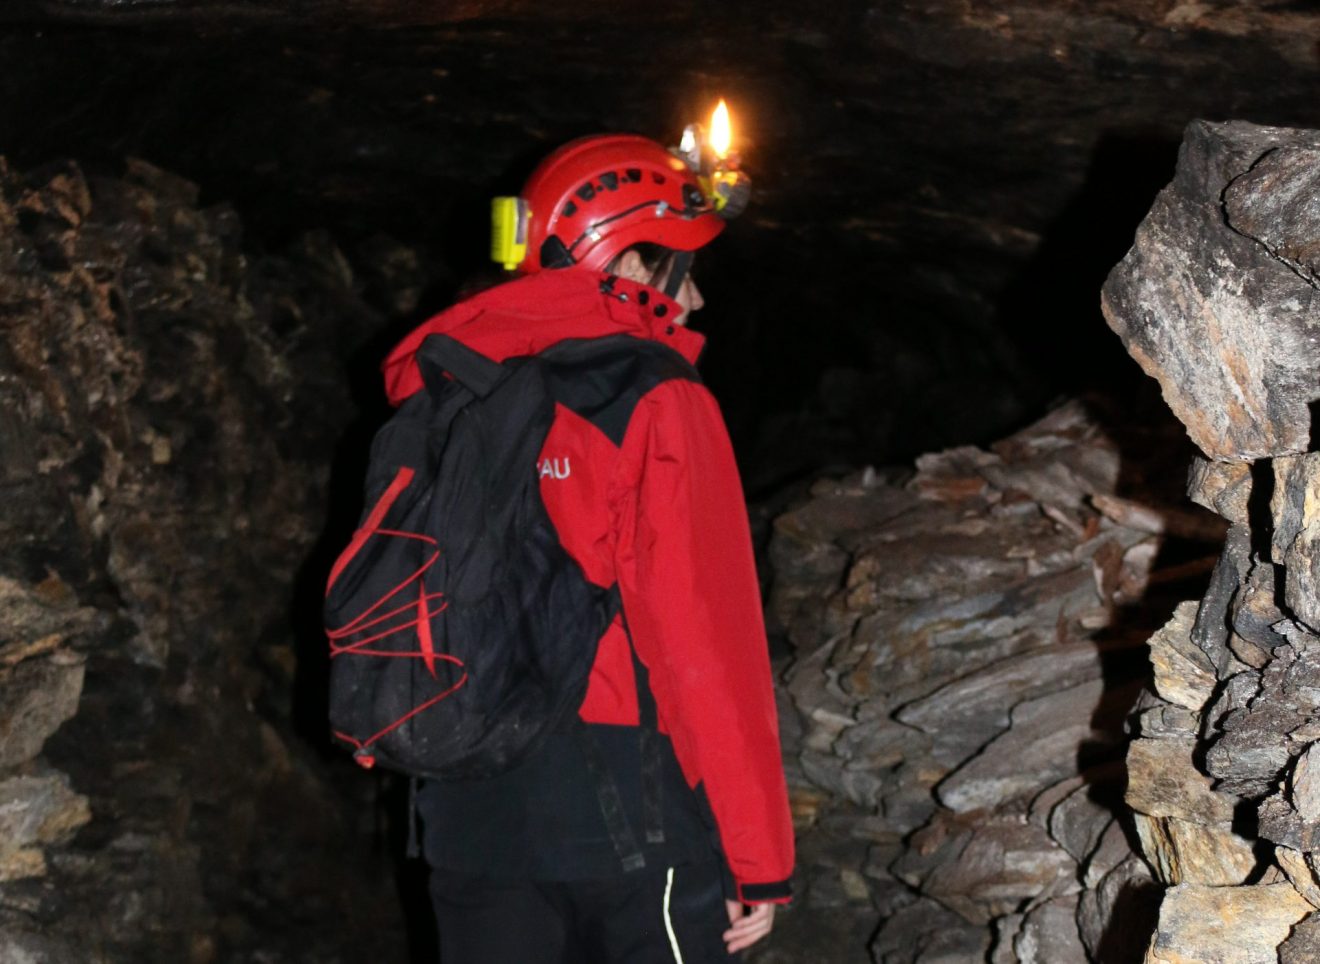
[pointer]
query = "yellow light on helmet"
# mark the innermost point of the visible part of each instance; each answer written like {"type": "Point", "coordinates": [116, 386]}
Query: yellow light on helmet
{"type": "Point", "coordinates": [508, 231]}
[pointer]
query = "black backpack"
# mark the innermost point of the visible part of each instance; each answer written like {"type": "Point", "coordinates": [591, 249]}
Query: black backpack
{"type": "Point", "coordinates": [461, 631]}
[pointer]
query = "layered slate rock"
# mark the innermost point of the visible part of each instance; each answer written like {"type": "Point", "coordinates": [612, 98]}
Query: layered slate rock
{"type": "Point", "coordinates": [960, 682]}
{"type": "Point", "coordinates": [1239, 925]}
{"type": "Point", "coordinates": [1217, 301]}
{"type": "Point", "coordinates": [168, 410]}
{"type": "Point", "coordinates": [42, 665]}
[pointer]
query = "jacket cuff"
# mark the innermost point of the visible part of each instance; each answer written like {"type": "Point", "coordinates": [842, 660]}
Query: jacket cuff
{"type": "Point", "coordinates": [779, 892]}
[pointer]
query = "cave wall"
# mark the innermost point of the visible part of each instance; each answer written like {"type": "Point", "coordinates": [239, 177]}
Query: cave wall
{"type": "Point", "coordinates": [940, 187]}
{"type": "Point", "coordinates": [169, 408]}
{"type": "Point", "coordinates": [967, 639]}
{"type": "Point", "coordinates": [940, 190]}
{"type": "Point", "coordinates": [1217, 301]}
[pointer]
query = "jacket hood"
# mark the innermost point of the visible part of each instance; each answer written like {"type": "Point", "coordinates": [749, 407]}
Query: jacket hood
{"type": "Point", "coordinates": [528, 315]}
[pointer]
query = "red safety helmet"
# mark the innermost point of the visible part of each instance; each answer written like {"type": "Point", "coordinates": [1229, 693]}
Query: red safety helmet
{"type": "Point", "coordinates": [595, 197]}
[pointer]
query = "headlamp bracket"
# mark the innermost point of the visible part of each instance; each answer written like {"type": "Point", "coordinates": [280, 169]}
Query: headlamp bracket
{"type": "Point", "coordinates": [725, 187]}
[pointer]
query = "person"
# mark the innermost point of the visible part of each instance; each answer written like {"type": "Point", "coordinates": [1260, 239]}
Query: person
{"type": "Point", "coordinates": [644, 493]}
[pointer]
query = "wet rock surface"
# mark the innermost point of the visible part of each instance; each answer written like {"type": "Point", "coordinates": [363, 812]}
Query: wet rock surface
{"type": "Point", "coordinates": [168, 410]}
{"type": "Point", "coordinates": [1221, 777]}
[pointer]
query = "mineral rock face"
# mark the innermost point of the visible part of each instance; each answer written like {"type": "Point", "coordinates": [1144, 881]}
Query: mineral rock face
{"type": "Point", "coordinates": [951, 631]}
{"type": "Point", "coordinates": [1217, 301]}
{"type": "Point", "coordinates": [955, 634]}
{"type": "Point", "coordinates": [41, 675]}
{"type": "Point", "coordinates": [1239, 925]}
{"type": "Point", "coordinates": [35, 811]}
{"type": "Point", "coordinates": [162, 478]}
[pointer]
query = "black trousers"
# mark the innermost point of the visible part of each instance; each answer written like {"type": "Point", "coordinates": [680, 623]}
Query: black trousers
{"type": "Point", "coordinates": [653, 916]}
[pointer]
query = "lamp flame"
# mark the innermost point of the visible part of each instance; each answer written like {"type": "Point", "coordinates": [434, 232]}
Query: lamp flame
{"type": "Point", "coordinates": [721, 131]}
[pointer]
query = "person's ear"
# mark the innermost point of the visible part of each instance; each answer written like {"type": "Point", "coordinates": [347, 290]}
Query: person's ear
{"type": "Point", "coordinates": [631, 267]}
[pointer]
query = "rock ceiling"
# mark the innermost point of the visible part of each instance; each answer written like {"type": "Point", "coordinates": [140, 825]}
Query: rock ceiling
{"type": "Point", "coordinates": [941, 186]}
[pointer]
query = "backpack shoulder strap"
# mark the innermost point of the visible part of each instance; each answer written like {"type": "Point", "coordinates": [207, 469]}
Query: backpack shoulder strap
{"type": "Point", "coordinates": [471, 369]}
{"type": "Point", "coordinates": [603, 379]}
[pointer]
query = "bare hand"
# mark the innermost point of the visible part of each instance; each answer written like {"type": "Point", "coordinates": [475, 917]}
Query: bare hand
{"type": "Point", "coordinates": [750, 924]}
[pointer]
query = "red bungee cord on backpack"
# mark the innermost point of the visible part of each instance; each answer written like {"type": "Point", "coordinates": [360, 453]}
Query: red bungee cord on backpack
{"type": "Point", "coordinates": [413, 617]}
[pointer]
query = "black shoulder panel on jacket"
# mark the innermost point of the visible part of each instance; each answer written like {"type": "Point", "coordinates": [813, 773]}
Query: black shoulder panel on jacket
{"type": "Point", "coordinates": [603, 379]}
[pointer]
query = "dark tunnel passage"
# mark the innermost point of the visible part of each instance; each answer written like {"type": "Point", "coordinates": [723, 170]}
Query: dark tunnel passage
{"type": "Point", "coordinates": [216, 218]}
{"type": "Point", "coordinates": [912, 177]}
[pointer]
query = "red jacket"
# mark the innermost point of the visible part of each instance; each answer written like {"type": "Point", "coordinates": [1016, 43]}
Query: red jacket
{"type": "Point", "coordinates": [662, 515]}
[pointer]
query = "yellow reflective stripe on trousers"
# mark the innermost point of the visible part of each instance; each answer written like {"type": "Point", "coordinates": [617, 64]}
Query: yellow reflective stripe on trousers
{"type": "Point", "coordinates": [669, 925]}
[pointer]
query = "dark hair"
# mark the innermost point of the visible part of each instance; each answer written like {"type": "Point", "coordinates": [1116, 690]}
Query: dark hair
{"type": "Point", "coordinates": [656, 259]}
{"type": "Point", "coordinates": [653, 255]}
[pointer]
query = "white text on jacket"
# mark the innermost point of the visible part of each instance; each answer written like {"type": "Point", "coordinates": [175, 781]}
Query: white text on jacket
{"type": "Point", "coordinates": [555, 468]}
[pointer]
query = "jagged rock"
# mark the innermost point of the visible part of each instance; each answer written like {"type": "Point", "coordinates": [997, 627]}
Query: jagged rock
{"type": "Point", "coordinates": [1299, 873]}
{"type": "Point", "coordinates": [1164, 782]}
{"type": "Point", "coordinates": [35, 811]}
{"type": "Point", "coordinates": [963, 715]}
{"type": "Point", "coordinates": [1043, 804]}
{"type": "Point", "coordinates": [1116, 915]}
{"type": "Point", "coordinates": [169, 407]}
{"type": "Point", "coordinates": [1049, 935]}
{"type": "Point", "coordinates": [1215, 314]}
{"type": "Point", "coordinates": [1277, 821]}
{"type": "Point", "coordinates": [1062, 476]}
{"type": "Point", "coordinates": [1257, 742]}
{"type": "Point", "coordinates": [1303, 944]}
{"type": "Point", "coordinates": [1217, 300]}
{"type": "Point", "coordinates": [871, 753]}
{"type": "Point", "coordinates": [1159, 720]}
{"type": "Point", "coordinates": [911, 802]}
{"type": "Point", "coordinates": [1253, 614]}
{"type": "Point", "coordinates": [926, 933]}
{"type": "Point", "coordinates": [810, 553]}
{"type": "Point", "coordinates": [1184, 675]}
{"type": "Point", "coordinates": [1235, 695]}
{"type": "Point", "coordinates": [945, 638]}
{"type": "Point", "coordinates": [41, 676]}
{"type": "Point", "coordinates": [1275, 203]}
{"type": "Point", "coordinates": [36, 696]}
{"type": "Point", "coordinates": [35, 618]}
{"type": "Point", "coordinates": [1296, 540]}
{"type": "Point", "coordinates": [1080, 820]}
{"type": "Point", "coordinates": [1039, 748]}
{"type": "Point", "coordinates": [1224, 487]}
{"type": "Point", "coordinates": [1249, 757]}
{"type": "Point", "coordinates": [1005, 930]}
{"type": "Point", "coordinates": [1225, 925]}
{"type": "Point", "coordinates": [1110, 852]}
{"type": "Point", "coordinates": [983, 866]}
{"type": "Point", "coordinates": [936, 636]}
{"type": "Point", "coordinates": [1213, 615]}
{"type": "Point", "coordinates": [1291, 484]}
{"type": "Point", "coordinates": [1185, 852]}
{"type": "Point", "coordinates": [1304, 786]}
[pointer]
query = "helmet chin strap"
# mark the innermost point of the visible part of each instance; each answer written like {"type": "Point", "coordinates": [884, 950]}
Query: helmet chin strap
{"type": "Point", "coordinates": [679, 266]}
